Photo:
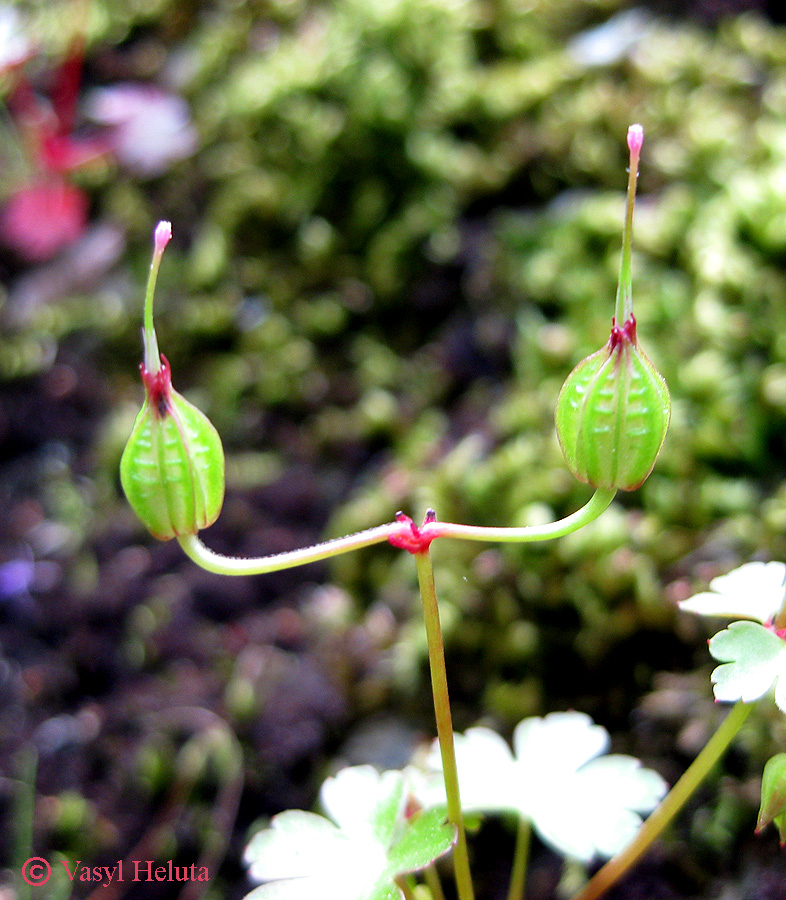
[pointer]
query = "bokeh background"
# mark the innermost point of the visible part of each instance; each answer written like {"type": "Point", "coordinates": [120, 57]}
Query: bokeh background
{"type": "Point", "coordinates": [397, 227]}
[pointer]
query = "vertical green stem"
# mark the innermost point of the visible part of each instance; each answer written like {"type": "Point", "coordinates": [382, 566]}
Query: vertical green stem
{"type": "Point", "coordinates": [714, 749]}
{"type": "Point", "coordinates": [431, 876]}
{"type": "Point", "coordinates": [162, 236]}
{"type": "Point", "coordinates": [24, 809]}
{"type": "Point", "coordinates": [439, 687]}
{"type": "Point", "coordinates": [624, 307]}
{"type": "Point", "coordinates": [405, 886]}
{"type": "Point", "coordinates": [518, 875]}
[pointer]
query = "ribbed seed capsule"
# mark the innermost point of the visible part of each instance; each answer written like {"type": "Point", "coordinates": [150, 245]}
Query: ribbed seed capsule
{"type": "Point", "coordinates": [613, 413]}
{"type": "Point", "coordinates": [172, 469]}
{"type": "Point", "coordinates": [773, 795]}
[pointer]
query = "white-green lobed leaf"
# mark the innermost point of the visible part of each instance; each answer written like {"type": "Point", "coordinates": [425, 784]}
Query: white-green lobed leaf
{"type": "Point", "coordinates": [360, 800]}
{"type": "Point", "coordinates": [611, 793]}
{"type": "Point", "coordinates": [623, 780]}
{"type": "Point", "coordinates": [299, 889]}
{"type": "Point", "coordinates": [754, 659]}
{"type": "Point", "coordinates": [386, 889]}
{"type": "Point", "coordinates": [486, 764]}
{"type": "Point", "coordinates": [358, 855]}
{"type": "Point", "coordinates": [297, 844]}
{"type": "Point", "coordinates": [425, 838]}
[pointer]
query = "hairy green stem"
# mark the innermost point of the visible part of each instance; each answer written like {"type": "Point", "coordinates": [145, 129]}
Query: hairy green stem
{"type": "Point", "coordinates": [439, 687]}
{"type": "Point", "coordinates": [163, 234]}
{"type": "Point", "coordinates": [429, 531]}
{"type": "Point", "coordinates": [230, 565]}
{"type": "Point", "coordinates": [518, 874]}
{"type": "Point", "coordinates": [599, 502]}
{"type": "Point", "coordinates": [672, 803]}
{"type": "Point", "coordinates": [624, 305]}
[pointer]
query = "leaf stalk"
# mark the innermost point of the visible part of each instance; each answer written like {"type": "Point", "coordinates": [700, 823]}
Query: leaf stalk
{"type": "Point", "coordinates": [672, 803]}
{"type": "Point", "coordinates": [439, 687]}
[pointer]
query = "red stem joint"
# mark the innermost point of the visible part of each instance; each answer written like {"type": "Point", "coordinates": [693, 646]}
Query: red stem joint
{"type": "Point", "coordinates": [414, 538]}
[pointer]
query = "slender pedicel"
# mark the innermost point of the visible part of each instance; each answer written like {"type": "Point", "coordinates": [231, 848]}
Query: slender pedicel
{"type": "Point", "coordinates": [597, 503]}
{"type": "Point", "coordinates": [402, 533]}
{"type": "Point", "coordinates": [172, 468]}
{"type": "Point", "coordinates": [671, 804]}
{"type": "Point", "coordinates": [439, 688]}
{"type": "Point", "coordinates": [230, 565]}
{"type": "Point", "coordinates": [614, 408]}
{"type": "Point", "coordinates": [161, 237]}
{"type": "Point", "coordinates": [518, 874]}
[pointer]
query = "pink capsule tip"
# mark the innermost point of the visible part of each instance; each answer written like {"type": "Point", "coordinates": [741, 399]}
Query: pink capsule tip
{"type": "Point", "coordinates": [635, 138]}
{"type": "Point", "coordinates": [162, 236]}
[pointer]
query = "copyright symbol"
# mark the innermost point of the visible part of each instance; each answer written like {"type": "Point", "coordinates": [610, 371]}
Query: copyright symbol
{"type": "Point", "coordinates": [36, 870]}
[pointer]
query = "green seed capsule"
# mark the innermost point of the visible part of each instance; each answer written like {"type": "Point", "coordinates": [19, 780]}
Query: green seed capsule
{"type": "Point", "coordinates": [773, 795]}
{"type": "Point", "coordinates": [172, 469]}
{"type": "Point", "coordinates": [613, 413]}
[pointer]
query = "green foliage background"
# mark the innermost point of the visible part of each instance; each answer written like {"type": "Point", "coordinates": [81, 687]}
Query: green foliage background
{"type": "Point", "coordinates": [400, 231]}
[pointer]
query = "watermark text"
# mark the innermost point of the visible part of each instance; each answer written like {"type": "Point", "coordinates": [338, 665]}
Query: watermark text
{"type": "Point", "coordinates": [37, 871]}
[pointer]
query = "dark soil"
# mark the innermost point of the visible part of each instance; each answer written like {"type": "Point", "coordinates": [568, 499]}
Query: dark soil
{"type": "Point", "coordinates": [117, 653]}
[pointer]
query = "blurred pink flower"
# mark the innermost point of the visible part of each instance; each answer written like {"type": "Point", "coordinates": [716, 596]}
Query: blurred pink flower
{"type": "Point", "coordinates": [148, 128]}
{"type": "Point", "coordinates": [42, 218]}
{"type": "Point", "coordinates": [143, 127]}
{"type": "Point", "coordinates": [42, 212]}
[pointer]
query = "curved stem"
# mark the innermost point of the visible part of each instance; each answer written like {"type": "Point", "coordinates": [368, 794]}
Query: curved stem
{"type": "Point", "coordinates": [439, 687]}
{"type": "Point", "coordinates": [402, 533]}
{"type": "Point", "coordinates": [673, 802]}
{"type": "Point", "coordinates": [230, 565]}
{"type": "Point", "coordinates": [599, 502]}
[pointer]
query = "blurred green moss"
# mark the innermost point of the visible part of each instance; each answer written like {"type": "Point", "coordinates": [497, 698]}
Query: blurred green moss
{"type": "Point", "coordinates": [401, 230]}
